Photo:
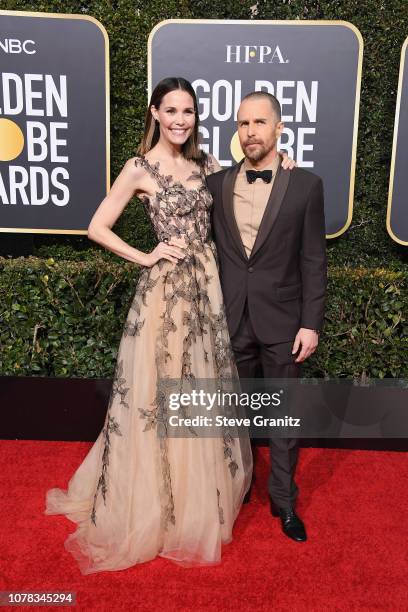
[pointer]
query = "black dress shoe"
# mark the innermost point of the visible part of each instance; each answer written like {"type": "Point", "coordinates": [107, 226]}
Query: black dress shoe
{"type": "Point", "coordinates": [292, 526]}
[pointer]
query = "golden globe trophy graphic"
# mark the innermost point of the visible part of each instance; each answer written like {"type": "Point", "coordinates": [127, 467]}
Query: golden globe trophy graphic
{"type": "Point", "coordinates": [11, 142]}
{"type": "Point", "coordinates": [235, 148]}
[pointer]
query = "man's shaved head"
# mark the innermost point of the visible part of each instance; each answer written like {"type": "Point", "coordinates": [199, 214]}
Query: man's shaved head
{"type": "Point", "coordinates": [259, 95]}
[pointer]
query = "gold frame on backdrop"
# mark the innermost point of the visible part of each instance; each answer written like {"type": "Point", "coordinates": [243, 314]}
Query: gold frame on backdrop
{"type": "Point", "coordinates": [312, 22]}
{"type": "Point", "coordinates": [107, 110]}
{"type": "Point", "coordinates": [394, 145]}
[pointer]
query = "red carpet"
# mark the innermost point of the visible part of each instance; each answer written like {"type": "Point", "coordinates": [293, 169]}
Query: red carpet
{"type": "Point", "coordinates": [354, 504]}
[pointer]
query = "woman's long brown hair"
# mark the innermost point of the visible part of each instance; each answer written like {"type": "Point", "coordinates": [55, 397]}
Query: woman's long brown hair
{"type": "Point", "coordinates": [151, 135]}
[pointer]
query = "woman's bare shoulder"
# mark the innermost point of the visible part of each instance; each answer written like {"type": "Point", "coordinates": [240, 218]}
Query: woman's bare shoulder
{"type": "Point", "coordinates": [133, 174]}
{"type": "Point", "coordinates": [134, 168]}
{"type": "Point", "coordinates": [135, 165]}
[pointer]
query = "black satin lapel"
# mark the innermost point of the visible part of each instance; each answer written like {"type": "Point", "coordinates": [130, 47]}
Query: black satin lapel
{"type": "Point", "coordinates": [228, 205]}
{"type": "Point", "coordinates": [272, 208]}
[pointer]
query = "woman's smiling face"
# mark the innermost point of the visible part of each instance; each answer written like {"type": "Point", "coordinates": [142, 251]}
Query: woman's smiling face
{"type": "Point", "coordinates": [176, 116]}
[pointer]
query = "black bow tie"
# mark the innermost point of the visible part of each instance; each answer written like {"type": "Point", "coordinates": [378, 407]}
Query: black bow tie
{"type": "Point", "coordinates": [265, 175]}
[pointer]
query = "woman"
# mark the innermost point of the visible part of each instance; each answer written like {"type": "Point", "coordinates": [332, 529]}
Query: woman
{"type": "Point", "coordinates": [138, 494]}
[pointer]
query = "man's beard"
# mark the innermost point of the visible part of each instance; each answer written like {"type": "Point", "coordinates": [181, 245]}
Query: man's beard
{"type": "Point", "coordinates": [257, 154]}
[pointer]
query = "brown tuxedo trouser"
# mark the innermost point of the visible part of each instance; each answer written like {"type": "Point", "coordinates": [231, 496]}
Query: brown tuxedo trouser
{"type": "Point", "coordinates": [274, 361]}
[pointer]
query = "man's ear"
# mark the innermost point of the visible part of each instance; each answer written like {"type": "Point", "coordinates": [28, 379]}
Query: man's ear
{"type": "Point", "coordinates": [279, 128]}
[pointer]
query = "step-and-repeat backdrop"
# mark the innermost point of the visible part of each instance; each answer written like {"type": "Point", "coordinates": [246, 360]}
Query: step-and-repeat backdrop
{"type": "Point", "coordinates": [312, 67]}
{"type": "Point", "coordinates": [54, 108]}
{"type": "Point", "coordinates": [54, 121]}
{"type": "Point", "coordinates": [397, 214]}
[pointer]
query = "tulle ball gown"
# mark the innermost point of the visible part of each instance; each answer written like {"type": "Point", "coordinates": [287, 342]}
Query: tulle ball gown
{"type": "Point", "coordinates": [137, 495]}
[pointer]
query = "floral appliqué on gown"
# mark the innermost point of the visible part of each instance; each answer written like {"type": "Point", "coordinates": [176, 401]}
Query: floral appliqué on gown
{"type": "Point", "coordinates": [138, 494]}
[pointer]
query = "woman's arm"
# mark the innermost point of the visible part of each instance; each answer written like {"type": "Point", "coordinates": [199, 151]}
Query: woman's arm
{"type": "Point", "coordinates": [130, 181]}
{"type": "Point", "coordinates": [287, 162]}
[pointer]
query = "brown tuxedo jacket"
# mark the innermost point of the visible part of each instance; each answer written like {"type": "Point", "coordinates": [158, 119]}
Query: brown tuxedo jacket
{"type": "Point", "coordinates": [284, 279]}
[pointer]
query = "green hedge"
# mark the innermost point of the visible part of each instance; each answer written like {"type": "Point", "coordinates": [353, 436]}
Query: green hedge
{"type": "Point", "coordinates": [66, 319]}
{"type": "Point", "coordinates": [383, 25]}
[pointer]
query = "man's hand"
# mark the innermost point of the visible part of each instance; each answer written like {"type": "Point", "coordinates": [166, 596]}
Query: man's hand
{"type": "Point", "coordinates": [307, 340]}
{"type": "Point", "coordinates": [287, 162]}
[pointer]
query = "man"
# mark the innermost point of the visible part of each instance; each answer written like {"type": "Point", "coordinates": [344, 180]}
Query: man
{"type": "Point", "coordinates": [269, 229]}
